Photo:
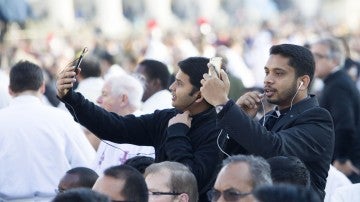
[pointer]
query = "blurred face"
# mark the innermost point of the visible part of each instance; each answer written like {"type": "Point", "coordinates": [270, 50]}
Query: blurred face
{"type": "Point", "coordinates": [111, 187]}
{"type": "Point", "coordinates": [323, 63]}
{"type": "Point", "coordinates": [149, 84]}
{"type": "Point", "coordinates": [234, 183]}
{"type": "Point", "coordinates": [67, 182]}
{"type": "Point", "coordinates": [280, 83]}
{"type": "Point", "coordinates": [159, 183]}
{"type": "Point", "coordinates": [109, 101]}
{"type": "Point", "coordinates": [180, 90]}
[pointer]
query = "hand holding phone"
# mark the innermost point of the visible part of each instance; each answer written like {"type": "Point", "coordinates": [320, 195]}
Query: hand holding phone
{"type": "Point", "coordinates": [84, 51]}
{"type": "Point", "coordinates": [216, 63]}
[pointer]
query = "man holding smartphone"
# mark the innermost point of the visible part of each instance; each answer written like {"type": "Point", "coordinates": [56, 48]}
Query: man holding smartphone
{"type": "Point", "coordinates": [297, 126]}
{"type": "Point", "coordinates": [186, 133]}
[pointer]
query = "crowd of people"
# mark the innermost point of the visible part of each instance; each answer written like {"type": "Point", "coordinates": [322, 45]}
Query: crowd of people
{"type": "Point", "coordinates": [148, 118]}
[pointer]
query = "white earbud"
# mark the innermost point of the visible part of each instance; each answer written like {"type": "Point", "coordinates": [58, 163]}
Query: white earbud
{"type": "Point", "coordinates": [301, 83]}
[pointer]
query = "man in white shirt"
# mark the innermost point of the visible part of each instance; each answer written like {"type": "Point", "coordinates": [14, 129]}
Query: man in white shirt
{"type": "Point", "coordinates": [121, 95]}
{"type": "Point", "coordinates": [38, 143]}
{"type": "Point", "coordinates": [156, 78]}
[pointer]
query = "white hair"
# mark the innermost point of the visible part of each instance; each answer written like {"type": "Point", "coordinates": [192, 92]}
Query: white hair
{"type": "Point", "coordinates": [129, 85]}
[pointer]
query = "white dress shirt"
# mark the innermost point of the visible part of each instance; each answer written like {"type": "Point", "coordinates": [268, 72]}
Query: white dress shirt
{"type": "Point", "coordinates": [112, 154]}
{"type": "Point", "coordinates": [160, 100]}
{"type": "Point", "coordinates": [348, 193]}
{"type": "Point", "coordinates": [38, 144]}
{"type": "Point", "coordinates": [334, 180]}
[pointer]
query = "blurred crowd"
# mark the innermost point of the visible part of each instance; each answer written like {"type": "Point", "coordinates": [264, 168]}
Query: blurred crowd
{"type": "Point", "coordinates": [127, 37]}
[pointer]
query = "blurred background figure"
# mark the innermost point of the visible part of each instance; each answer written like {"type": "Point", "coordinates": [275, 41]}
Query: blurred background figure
{"type": "Point", "coordinates": [77, 177]}
{"type": "Point", "coordinates": [290, 170]}
{"type": "Point", "coordinates": [121, 95]}
{"type": "Point", "coordinates": [238, 177]}
{"type": "Point", "coordinates": [156, 78]}
{"type": "Point", "coordinates": [140, 163]}
{"type": "Point", "coordinates": [39, 143]}
{"type": "Point", "coordinates": [285, 192]}
{"type": "Point", "coordinates": [81, 195]}
{"type": "Point", "coordinates": [171, 181]}
{"type": "Point", "coordinates": [344, 107]}
{"type": "Point", "coordinates": [122, 183]}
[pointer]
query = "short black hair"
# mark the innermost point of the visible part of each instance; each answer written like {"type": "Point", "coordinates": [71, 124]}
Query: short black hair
{"type": "Point", "coordinates": [300, 58]}
{"type": "Point", "coordinates": [90, 68]}
{"type": "Point", "coordinates": [156, 70]}
{"type": "Point", "coordinates": [24, 76]}
{"type": "Point", "coordinates": [87, 176]}
{"type": "Point", "coordinates": [289, 170]}
{"type": "Point", "coordinates": [140, 163]}
{"type": "Point", "coordinates": [81, 195]}
{"type": "Point", "coordinates": [135, 188]}
{"type": "Point", "coordinates": [195, 68]}
{"type": "Point", "coordinates": [105, 55]}
{"type": "Point", "coordinates": [285, 192]}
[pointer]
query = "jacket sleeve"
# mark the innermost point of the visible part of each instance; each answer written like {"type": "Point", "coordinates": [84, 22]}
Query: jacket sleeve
{"type": "Point", "coordinates": [308, 137]}
{"type": "Point", "coordinates": [202, 159]}
{"type": "Point", "coordinates": [107, 125]}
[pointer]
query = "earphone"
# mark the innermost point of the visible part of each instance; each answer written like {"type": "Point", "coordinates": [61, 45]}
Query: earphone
{"type": "Point", "coordinates": [301, 83]}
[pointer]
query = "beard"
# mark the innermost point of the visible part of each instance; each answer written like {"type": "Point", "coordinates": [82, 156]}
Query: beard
{"type": "Point", "coordinates": [284, 97]}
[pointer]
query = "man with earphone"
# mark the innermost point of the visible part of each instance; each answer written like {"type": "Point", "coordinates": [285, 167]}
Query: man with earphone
{"type": "Point", "coordinates": [296, 127]}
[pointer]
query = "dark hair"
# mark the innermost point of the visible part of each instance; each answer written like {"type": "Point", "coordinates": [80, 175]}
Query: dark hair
{"type": "Point", "coordinates": [285, 192]}
{"type": "Point", "coordinates": [156, 70]}
{"type": "Point", "coordinates": [140, 163]}
{"type": "Point", "coordinates": [104, 55]}
{"type": "Point", "coordinates": [81, 195]}
{"type": "Point", "coordinates": [90, 68]}
{"type": "Point", "coordinates": [25, 75]}
{"type": "Point", "coordinates": [87, 177]}
{"type": "Point", "coordinates": [300, 58]}
{"type": "Point", "coordinates": [194, 67]}
{"type": "Point", "coordinates": [289, 170]}
{"type": "Point", "coordinates": [135, 188]}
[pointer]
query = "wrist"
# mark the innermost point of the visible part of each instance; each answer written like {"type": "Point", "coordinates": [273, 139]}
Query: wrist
{"type": "Point", "coordinates": [221, 102]}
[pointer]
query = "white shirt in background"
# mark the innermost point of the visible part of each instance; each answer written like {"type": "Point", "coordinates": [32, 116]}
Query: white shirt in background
{"type": "Point", "coordinates": [38, 144]}
{"type": "Point", "coordinates": [160, 100]}
{"type": "Point", "coordinates": [112, 154]}
{"type": "Point", "coordinates": [334, 180]}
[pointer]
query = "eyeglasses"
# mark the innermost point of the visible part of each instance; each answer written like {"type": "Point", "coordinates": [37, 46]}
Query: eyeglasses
{"type": "Point", "coordinates": [320, 56]}
{"type": "Point", "coordinates": [158, 193]}
{"type": "Point", "coordinates": [229, 195]}
{"type": "Point", "coordinates": [60, 190]}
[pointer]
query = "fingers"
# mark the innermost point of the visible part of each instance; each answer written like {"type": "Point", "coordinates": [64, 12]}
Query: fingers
{"type": "Point", "coordinates": [224, 77]}
{"type": "Point", "coordinates": [249, 100]}
{"type": "Point", "coordinates": [65, 80]}
{"type": "Point", "coordinates": [212, 70]}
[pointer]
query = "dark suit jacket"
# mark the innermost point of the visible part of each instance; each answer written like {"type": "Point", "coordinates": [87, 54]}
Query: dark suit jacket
{"type": "Point", "coordinates": [342, 99]}
{"type": "Point", "coordinates": [305, 131]}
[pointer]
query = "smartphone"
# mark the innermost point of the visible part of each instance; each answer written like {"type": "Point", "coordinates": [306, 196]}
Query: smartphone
{"type": "Point", "coordinates": [80, 59]}
{"type": "Point", "coordinates": [216, 63]}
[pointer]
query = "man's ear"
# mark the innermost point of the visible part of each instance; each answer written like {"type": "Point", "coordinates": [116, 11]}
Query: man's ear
{"type": "Point", "coordinates": [199, 98]}
{"type": "Point", "coordinates": [42, 88]}
{"type": "Point", "coordinates": [184, 197]}
{"type": "Point", "coordinates": [12, 93]}
{"type": "Point", "coordinates": [124, 99]}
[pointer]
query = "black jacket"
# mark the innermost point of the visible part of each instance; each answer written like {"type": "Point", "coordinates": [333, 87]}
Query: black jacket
{"type": "Point", "coordinates": [305, 131]}
{"type": "Point", "coordinates": [341, 97]}
{"type": "Point", "coordinates": [195, 147]}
